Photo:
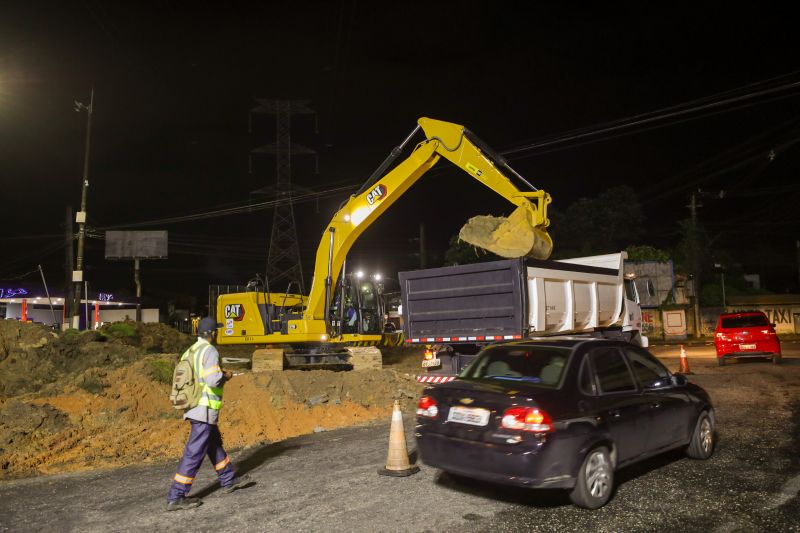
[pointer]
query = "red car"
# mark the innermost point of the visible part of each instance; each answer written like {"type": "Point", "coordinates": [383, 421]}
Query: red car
{"type": "Point", "coordinates": [746, 334]}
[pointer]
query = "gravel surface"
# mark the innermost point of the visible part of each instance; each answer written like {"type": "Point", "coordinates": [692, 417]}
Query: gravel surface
{"type": "Point", "coordinates": [328, 481]}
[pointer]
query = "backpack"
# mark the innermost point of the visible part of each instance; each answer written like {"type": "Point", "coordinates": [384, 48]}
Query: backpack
{"type": "Point", "coordinates": [186, 387]}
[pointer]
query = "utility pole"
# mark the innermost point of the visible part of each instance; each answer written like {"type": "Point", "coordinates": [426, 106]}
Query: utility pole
{"type": "Point", "coordinates": [137, 279]}
{"type": "Point", "coordinates": [69, 249]}
{"type": "Point", "coordinates": [695, 265]}
{"type": "Point", "coordinates": [80, 217]}
{"type": "Point", "coordinates": [695, 247]}
{"type": "Point", "coordinates": [797, 247]}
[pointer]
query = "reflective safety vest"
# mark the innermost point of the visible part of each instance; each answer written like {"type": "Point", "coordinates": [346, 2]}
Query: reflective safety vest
{"type": "Point", "coordinates": [210, 397]}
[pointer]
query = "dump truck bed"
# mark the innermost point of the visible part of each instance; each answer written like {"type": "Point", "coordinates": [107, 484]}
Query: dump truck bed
{"type": "Point", "coordinates": [464, 303]}
{"type": "Point", "coordinates": [512, 299]}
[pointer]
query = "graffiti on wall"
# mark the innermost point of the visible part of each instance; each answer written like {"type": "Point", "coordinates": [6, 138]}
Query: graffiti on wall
{"type": "Point", "coordinates": [648, 322]}
{"type": "Point", "coordinates": [779, 315]}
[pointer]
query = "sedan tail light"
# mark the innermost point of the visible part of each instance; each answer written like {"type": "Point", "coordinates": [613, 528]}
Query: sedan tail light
{"type": "Point", "coordinates": [527, 419]}
{"type": "Point", "coordinates": [426, 407]}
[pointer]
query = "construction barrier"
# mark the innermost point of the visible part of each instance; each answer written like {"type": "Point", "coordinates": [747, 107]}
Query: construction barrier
{"type": "Point", "coordinates": [397, 463]}
{"type": "Point", "coordinates": [684, 366]}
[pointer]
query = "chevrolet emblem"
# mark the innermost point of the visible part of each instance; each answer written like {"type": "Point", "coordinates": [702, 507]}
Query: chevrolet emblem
{"type": "Point", "coordinates": [466, 401]}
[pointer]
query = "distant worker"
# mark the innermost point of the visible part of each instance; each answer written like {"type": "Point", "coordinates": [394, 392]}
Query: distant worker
{"type": "Point", "coordinates": [204, 438]}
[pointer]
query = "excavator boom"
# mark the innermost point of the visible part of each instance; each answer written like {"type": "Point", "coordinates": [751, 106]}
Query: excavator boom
{"type": "Point", "coordinates": [442, 139]}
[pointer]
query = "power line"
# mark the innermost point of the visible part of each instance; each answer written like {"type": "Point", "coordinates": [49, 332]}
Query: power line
{"type": "Point", "coordinates": [235, 210]}
{"type": "Point", "coordinates": [643, 119]}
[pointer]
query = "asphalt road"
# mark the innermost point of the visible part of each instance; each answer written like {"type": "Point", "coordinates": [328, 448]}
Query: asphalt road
{"type": "Point", "coordinates": [328, 481]}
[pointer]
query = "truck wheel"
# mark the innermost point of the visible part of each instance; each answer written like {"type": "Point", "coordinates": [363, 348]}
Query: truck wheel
{"type": "Point", "coordinates": [703, 439]}
{"type": "Point", "coordinates": [595, 480]}
{"type": "Point", "coordinates": [776, 359]}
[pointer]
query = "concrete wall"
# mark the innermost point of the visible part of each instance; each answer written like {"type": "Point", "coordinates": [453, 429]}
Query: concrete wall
{"type": "Point", "coordinates": [43, 315]}
{"type": "Point", "coordinates": [118, 315]}
{"type": "Point", "coordinates": [654, 281]}
{"type": "Point", "coordinates": [785, 317]}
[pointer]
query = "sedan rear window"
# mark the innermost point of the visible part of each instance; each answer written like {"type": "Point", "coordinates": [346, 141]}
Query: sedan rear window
{"type": "Point", "coordinates": [746, 321]}
{"type": "Point", "coordinates": [542, 365]}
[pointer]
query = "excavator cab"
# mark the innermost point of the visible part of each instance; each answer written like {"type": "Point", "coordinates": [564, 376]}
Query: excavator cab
{"type": "Point", "coordinates": [363, 309]}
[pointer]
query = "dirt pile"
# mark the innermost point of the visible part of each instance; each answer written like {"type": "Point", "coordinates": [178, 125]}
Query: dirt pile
{"type": "Point", "coordinates": [33, 357]}
{"type": "Point", "coordinates": [129, 419]}
{"type": "Point", "coordinates": [152, 338]}
{"type": "Point", "coordinates": [86, 400]}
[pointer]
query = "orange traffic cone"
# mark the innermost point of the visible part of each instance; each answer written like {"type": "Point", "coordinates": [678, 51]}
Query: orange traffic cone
{"type": "Point", "coordinates": [684, 368]}
{"type": "Point", "coordinates": [397, 463]}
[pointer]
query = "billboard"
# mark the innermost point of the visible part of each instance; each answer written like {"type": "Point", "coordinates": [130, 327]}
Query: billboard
{"type": "Point", "coordinates": [136, 244]}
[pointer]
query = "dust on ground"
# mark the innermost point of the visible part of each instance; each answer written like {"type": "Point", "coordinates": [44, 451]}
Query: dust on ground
{"type": "Point", "coordinates": [78, 401]}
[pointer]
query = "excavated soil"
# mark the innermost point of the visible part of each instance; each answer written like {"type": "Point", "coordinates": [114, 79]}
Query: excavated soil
{"type": "Point", "coordinates": [75, 401]}
{"type": "Point", "coordinates": [511, 237]}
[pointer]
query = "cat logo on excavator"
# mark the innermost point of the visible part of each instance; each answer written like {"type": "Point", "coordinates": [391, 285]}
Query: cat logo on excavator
{"type": "Point", "coordinates": [234, 311]}
{"type": "Point", "coordinates": [376, 194]}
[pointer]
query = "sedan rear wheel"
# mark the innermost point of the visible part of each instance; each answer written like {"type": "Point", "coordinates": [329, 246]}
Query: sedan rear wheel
{"type": "Point", "coordinates": [776, 359]}
{"type": "Point", "coordinates": [702, 444]}
{"type": "Point", "coordinates": [595, 480]}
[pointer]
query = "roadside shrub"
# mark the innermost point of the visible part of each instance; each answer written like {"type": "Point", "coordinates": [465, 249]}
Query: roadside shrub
{"type": "Point", "coordinates": [160, 370]}
{"type": "Point", "coordinates": [121, 329]}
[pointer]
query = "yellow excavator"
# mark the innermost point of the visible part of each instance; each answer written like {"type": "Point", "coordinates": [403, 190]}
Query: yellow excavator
{"type": "Point", "coordinates": [341, 319]}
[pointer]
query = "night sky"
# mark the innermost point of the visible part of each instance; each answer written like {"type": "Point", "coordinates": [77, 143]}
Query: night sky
{"type": "Point", "coordinates": [174, 82]}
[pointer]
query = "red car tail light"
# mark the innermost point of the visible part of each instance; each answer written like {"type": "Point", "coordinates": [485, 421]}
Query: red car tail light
{"type": "Point", "coordinates": [426, 407]}
{"type": "Point", "coordinates": [527, 419]}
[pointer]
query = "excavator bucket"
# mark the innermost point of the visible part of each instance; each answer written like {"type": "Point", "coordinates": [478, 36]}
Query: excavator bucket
{"type": "Point", "coordinates": [512, 236]}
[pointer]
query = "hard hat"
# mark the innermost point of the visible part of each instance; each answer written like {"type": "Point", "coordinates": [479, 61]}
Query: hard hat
{"type": "Point", "coordinates": [207, 325]}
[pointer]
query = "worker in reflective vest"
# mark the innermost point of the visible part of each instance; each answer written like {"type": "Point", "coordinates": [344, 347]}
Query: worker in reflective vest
{"type": "Point", "coordinates": [204, 438]}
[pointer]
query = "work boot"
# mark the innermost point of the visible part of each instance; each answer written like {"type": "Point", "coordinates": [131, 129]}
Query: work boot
{"type": "Point", "coordinates": [239, 483]}
{"type": "Point", "coordinates": [183, 503]}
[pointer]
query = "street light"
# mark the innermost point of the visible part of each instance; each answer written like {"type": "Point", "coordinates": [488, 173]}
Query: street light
{"type": "Point", "coordinates": [722, 277]}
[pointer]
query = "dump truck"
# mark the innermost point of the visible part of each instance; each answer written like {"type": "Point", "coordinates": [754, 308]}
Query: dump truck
{"type": "Point", "coordinates": [455, 311]}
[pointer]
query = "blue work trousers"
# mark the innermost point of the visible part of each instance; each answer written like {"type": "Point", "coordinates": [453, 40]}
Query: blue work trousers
{"type": "Point", "coordinates": [204, 439]}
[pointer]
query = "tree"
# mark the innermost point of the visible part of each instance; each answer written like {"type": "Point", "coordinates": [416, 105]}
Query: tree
{"type": "Point", "coordinates": [646, 253]}
{"type": "Point", "coordinates": [604, 224]}
{"type": "Point", "coordinates": [462, 253]}
{"type": "Point", "coordinates": [692, 254]}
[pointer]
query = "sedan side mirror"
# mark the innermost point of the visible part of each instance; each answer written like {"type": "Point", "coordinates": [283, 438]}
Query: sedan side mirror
{"type": "Point", "coordinates": [679, 380]}
{"type": "Point", "coordinates": [774, 325]}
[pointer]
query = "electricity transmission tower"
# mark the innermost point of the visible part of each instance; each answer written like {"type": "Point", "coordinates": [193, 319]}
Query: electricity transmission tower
{"type": "Point", "coordinates": [283, 257]}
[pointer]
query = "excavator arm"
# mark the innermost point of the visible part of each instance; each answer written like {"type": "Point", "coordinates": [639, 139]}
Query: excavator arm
{"type": "Point", "coordinates": [442, 139]}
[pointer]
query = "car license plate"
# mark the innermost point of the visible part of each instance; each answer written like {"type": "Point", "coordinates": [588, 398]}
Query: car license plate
{"type": "Point", "coordinates": [431, 362]}
{"type": "Point", "coordinates": [465, 415]}
{"type": "Point", "coordinates": [747, 346]}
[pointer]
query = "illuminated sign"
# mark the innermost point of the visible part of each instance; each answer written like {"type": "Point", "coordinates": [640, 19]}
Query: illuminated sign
{"type": "Point", "coordinates": [105, 296]}
{"type": "Point", "coordinates": [11, 293]}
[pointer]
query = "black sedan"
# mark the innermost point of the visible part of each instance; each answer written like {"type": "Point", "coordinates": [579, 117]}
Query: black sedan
{"type": "Point", "coordinates": [561, 414]}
